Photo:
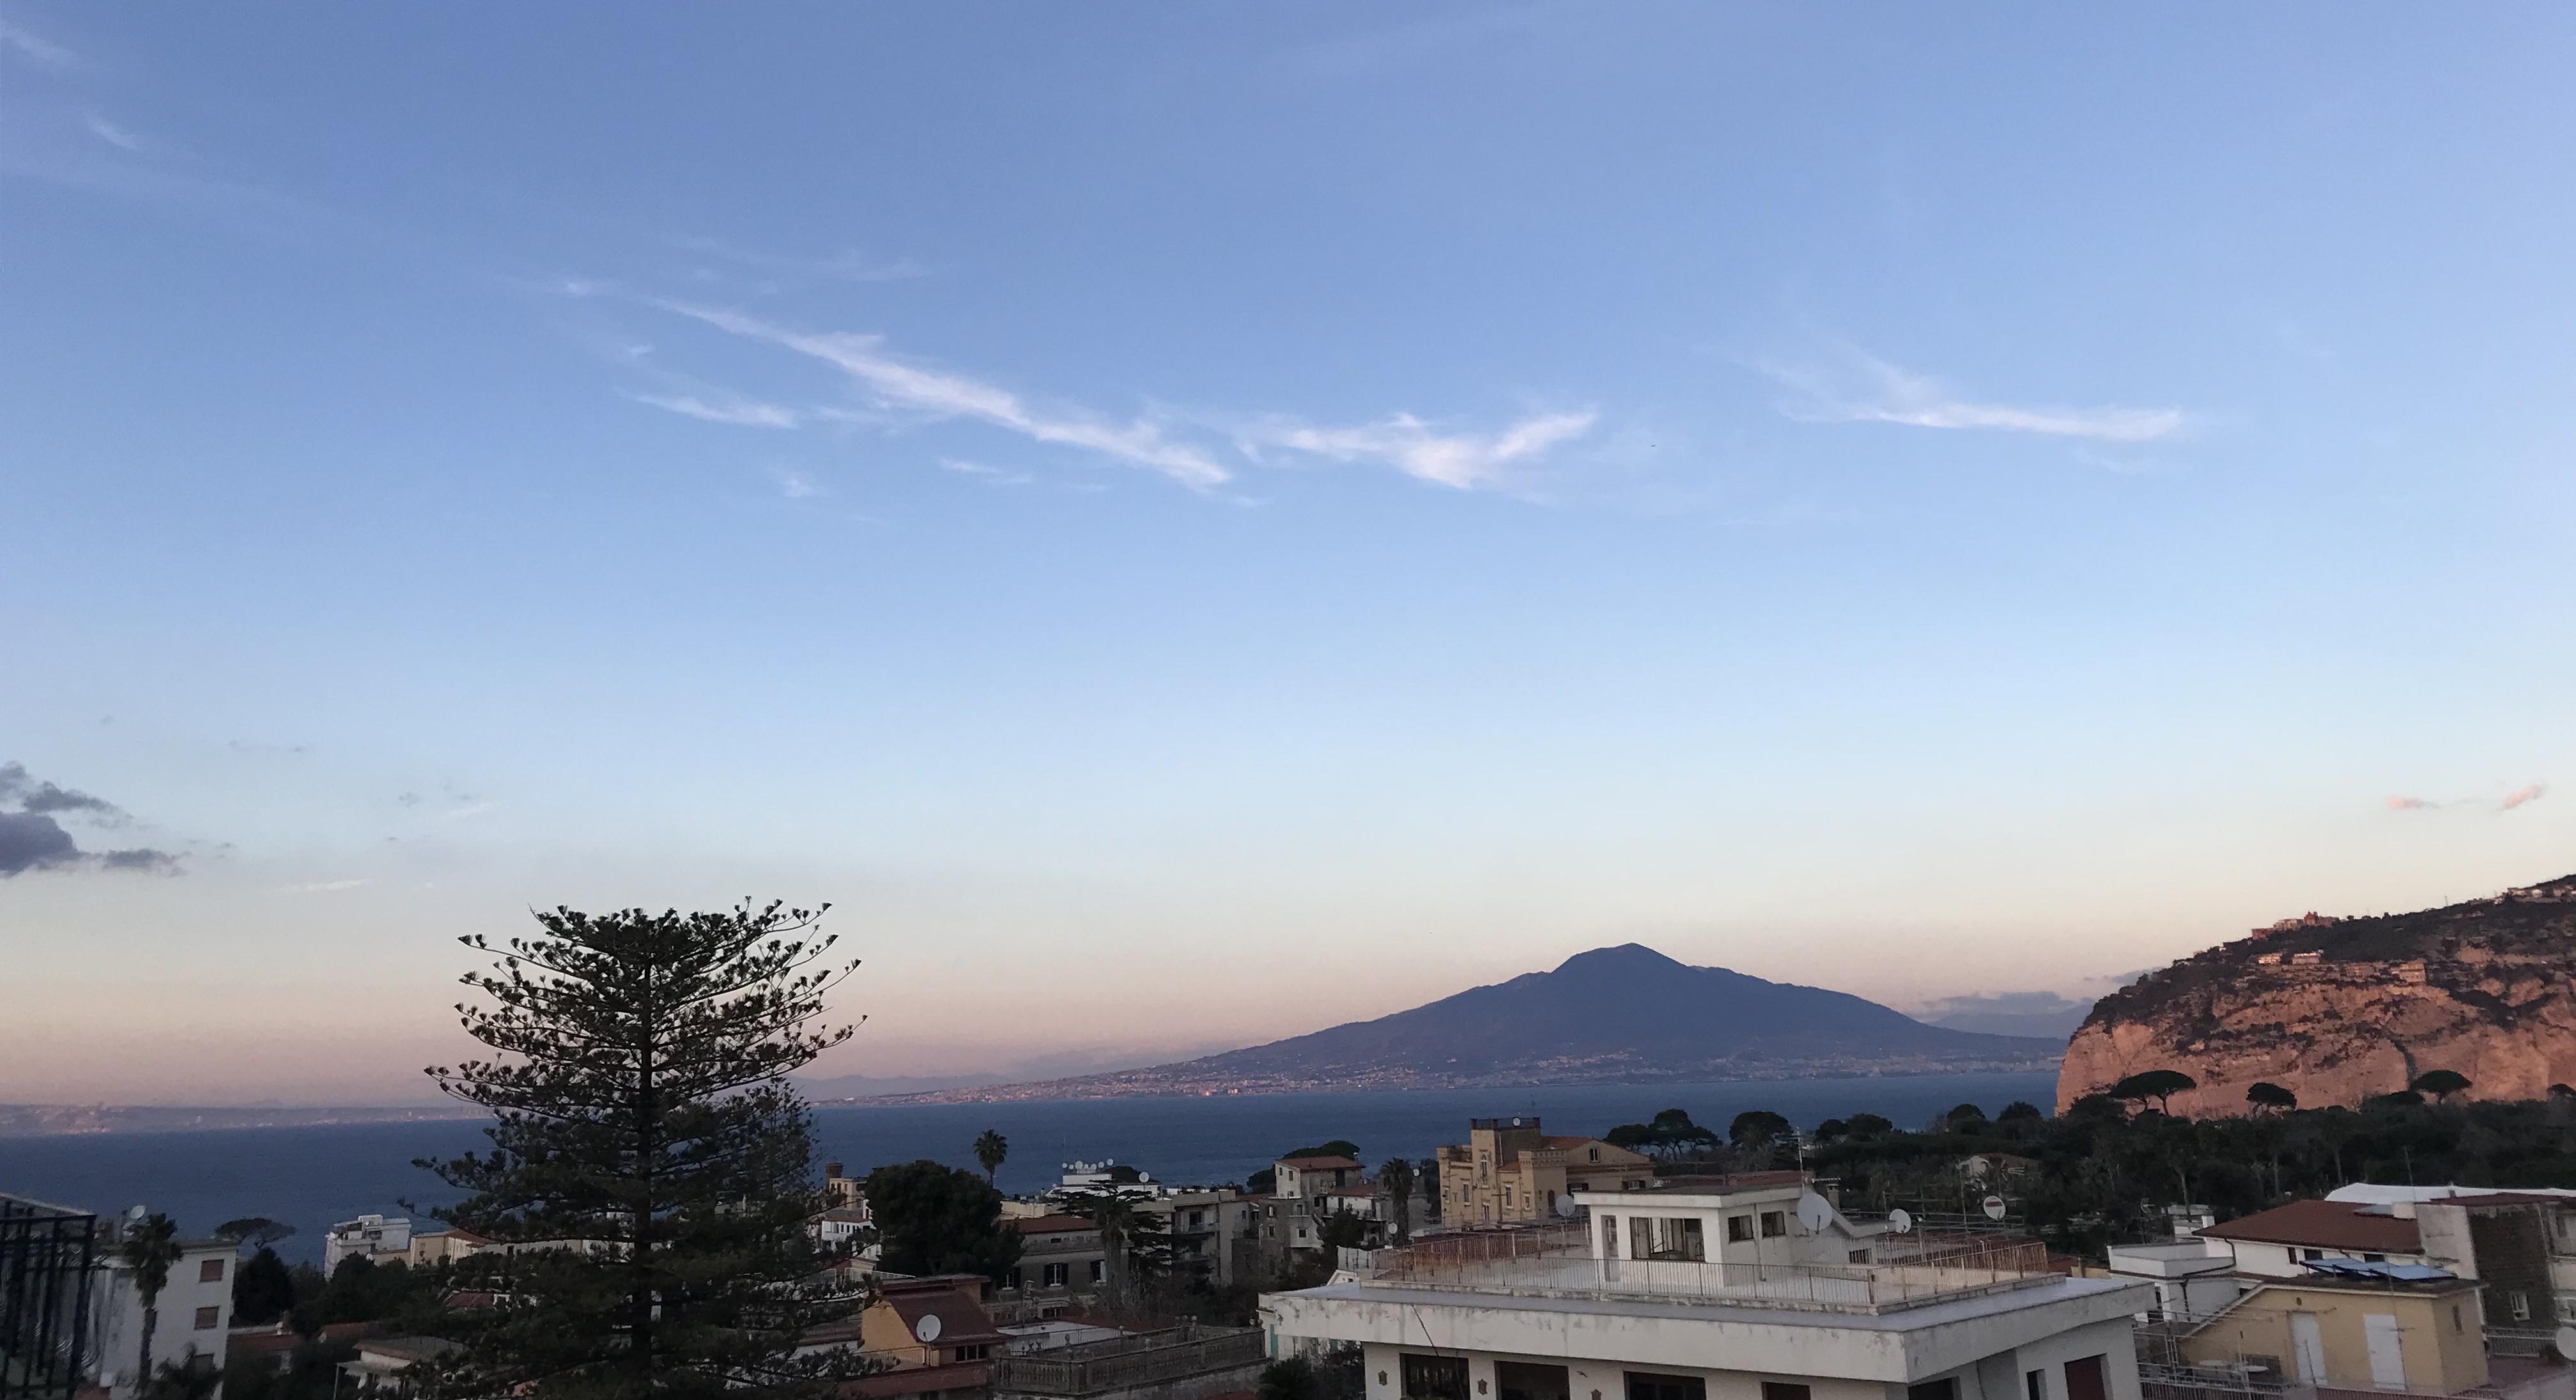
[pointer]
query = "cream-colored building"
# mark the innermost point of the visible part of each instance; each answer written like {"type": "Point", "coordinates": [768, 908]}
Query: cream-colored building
{"type": "Point", "coordinates": [2351, 1334]}
{"type": "Point", "coordinates": [1510, 1170]}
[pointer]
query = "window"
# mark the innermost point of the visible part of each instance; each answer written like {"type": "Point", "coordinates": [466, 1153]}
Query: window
{"type": "Point", "coordinates": [1857, 1256]}
{"type": "Point", "coordinates": [2084, 1379]}
{"type": "Point", "coordinates": [1739, 1228]}
{"type": "Point", "coordinates": [2374, 1258]}
{"type": "Point", "coordinates": [1435, 1377]}
{"type": "Point", "coordinates": [1775, 1223]}
{"type": "Point", "coordinates": [2456, 1325]}
{"type": "Point", "coordinates": [1519, 1380]}
{"type": "Point", "coordinates": [972, 1353]}
{"type": "Point", "coordinates": [1594, 1155]}
{"type": "Point", "coordinates": [2521, 1306]}
{"type": "Point", "coordinates": [1609, 1237]}
{"type": "Point", "coordinates": [207, 1317]}
{"type": "Point", "coordinates": [1100, 1269]}
{"type": "Point", "coordinates": [2034, 1385]}
{"type": "Point", "coordinates": [210, 1271]}
{"type": "Point", "coordinates": [1946, 1388]}
{"type": "Point", "coordinates": [1785, 1390]}
{"type": "Point", "coordinates": [1053, 1276]}
{"type": "Point", "coordinates": [1507, 1195]}
{"type": "Point", "coordinates": [1551, 1203]}
{"type": "Point", "coordinates": [1641, 1241]}
{"type": "Point", "coordinates": [1644, 1385]}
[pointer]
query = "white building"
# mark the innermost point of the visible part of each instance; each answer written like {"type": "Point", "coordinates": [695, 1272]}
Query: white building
{"type": "Point", "coordinates": [1708, 1293]}
{"type": "Point", "coordinates": [377, 1238]}
{"type": "Point", "coordinates": [192, 1316]}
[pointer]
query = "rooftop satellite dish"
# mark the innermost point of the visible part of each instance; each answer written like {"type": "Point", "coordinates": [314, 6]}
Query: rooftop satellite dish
{"type": "Point", "coordinates": [928, 1328]}
{"type": "Point", "coordinates": [1976, 1168]}
{"type": "Point", "coordinates": [135, 1213]}
{"type": "Point", "coordinates": [1902, 1222]}
{"type": "Point", "coordinates": [1566, 1207]}
{"type": "Point", "coordinates": [1994, 1207]}
{"type": "Point", "coordinates": [2566, 1343]}
{"type": "Point", "coordinates": [1815, 1212]}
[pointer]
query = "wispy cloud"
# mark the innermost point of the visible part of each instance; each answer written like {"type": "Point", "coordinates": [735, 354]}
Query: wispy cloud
{"type": "Point", "coordinates": [325, 886]}
{"type": "Point", "coordinates": [1859, 387]}
{"type": "Point", "coordinates": [1462, 460]}
{"type": "Point", "coordinates": [729, 409]}
{"type": "Point", "coordinates": [2411, 804]}
{"type": "Point", "coordinates": [111, 133]}
{"type": "Point", "coordinates": [847, 265]}
{"type": "Point", "coordinates": [991, 475]}
{"type": "Point", "coordinates": [2532, 792]}
{"type": "Point", "coordinates": [892, 383]}
{"type": "Point", "coordinates": [796, 484]}
{"type": "Point", "coordinates": [34, 47]}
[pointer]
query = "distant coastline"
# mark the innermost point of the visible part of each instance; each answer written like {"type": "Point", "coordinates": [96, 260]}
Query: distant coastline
{"type": "Point", "coordinates": [1191, 1081]}
{"type": "Point", "coordinates": [64, 1120]}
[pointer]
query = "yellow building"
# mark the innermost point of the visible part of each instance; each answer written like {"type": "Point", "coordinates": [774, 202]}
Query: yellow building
{"type": "Point", "coordinates": [2423, 1335]}
{"type": "Point", "coordinates": [1509, 1170]}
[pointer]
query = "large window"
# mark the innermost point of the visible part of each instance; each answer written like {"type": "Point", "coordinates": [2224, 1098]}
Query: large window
{"type": "Point", "coordinates": [1739, 1228]}
{"type": "Point", "coordinates": [1435, 1377]}
{"type": "Point", "coordinates": [1646, 1385]}
{"type": "Point", "coordinates": [210, 1271]}
{"type": "Point", "coordinates": [1521, 1381]}
{"type": "Point", "coordinates": [1669, 1237]}
{"type": "Point", "coordinates": [1775, 1223]}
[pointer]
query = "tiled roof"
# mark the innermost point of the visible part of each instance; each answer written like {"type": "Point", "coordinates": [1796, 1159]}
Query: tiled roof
{"type": "Point", "coordinates": [962, 1320]}
{"type": "Point", "coordinates": [2325, 1225]}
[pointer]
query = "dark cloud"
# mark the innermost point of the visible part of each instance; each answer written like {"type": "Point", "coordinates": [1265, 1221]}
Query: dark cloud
{"type": "Point", "coordinates": [31, 840]}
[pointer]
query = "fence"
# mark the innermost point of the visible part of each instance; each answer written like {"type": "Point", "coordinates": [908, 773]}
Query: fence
{"type": "Point", "coordinates": [46, 1255]}
{"type": "Point", "coordinates": [1557, 1261]}
{"type": "Point", "coordinates": [1129, 1363]}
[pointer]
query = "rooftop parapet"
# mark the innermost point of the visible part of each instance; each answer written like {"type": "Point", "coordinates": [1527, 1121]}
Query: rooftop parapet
{"type": "Point", "coordinates": [1557, 1262]}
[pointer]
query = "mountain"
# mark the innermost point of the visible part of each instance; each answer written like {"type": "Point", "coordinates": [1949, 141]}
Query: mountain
{"type": "Point", "coordinates": [2337, 1010]}
{"type": "Point", "coordinates": [1612, 1015]}
{"type": "Point", "coordinates": [2010, 1013]}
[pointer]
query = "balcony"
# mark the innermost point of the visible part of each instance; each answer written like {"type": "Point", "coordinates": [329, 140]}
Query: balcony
{"type": "Point", "coordinates": [1215, 1358]}
{"type": "Point", "coordinates": [1558, 1263]}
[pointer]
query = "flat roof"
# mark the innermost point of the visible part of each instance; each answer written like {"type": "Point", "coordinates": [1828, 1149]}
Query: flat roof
{"type": "Point", "coordinates": [2049, 1289]}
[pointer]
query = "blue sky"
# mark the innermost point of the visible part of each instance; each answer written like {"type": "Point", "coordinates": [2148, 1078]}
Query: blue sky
{"type": "Point", "coordinates": [1190, 524]}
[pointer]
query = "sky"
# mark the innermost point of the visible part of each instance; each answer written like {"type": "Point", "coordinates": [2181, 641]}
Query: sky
{"type": "Point", "coordinates": [1191, 524]}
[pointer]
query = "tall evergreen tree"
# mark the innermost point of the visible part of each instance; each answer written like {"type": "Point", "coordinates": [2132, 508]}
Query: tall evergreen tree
{"type": "Point", "coordinates": [647, 1143]}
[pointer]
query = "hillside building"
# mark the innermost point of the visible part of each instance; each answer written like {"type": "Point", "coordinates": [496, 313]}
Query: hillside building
{"type": "Point", "coordinates": [1511, 1170]}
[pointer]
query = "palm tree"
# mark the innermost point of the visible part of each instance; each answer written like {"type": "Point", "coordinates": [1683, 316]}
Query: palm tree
{"type": "Point", "coordinates": [151, 1247]}
{"type": "Point", "coordinates": [991, 1148]}
{"type": "Point", "coordinates": [1397, 1177]}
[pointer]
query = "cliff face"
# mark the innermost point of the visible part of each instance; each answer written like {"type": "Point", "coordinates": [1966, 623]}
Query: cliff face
{"type": "Point", "coordinates": [2487, 989]}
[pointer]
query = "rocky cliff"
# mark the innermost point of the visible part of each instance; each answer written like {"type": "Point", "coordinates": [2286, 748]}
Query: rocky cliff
{"type": "Point", "coordinates": [2339, 1011]}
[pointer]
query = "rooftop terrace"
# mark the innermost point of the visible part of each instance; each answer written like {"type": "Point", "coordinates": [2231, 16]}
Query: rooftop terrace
{"type": "Point", "coordinates": [1558, 1262]}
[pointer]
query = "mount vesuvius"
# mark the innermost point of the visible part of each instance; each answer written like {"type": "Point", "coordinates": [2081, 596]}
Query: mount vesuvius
{"type": "Point", "coordinates": [1613, 1015]}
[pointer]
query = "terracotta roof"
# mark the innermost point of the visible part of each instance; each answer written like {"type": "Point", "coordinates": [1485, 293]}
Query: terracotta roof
{"type": "Point", "coordinates": [2505, 1198]}
{"type": "Point", "coordinates": [1320, 1164]}
{"type": "Point", "coordinates": [1051, 1224]}
{"type": "Point", "coordinates": [962, 1320]}
{"type": "Point", "coordinates": [2324, 1225]}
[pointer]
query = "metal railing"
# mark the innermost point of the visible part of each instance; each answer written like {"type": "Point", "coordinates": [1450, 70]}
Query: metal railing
{"type": "Point", "coordinates": [46, 1256]}
{"type": "Point", "coordinates": [1557, 1262]}
{"type": "Point", "coordinates": [1151, 1358]}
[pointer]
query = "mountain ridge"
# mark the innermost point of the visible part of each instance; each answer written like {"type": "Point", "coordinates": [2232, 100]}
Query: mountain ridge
{"type": "Point", "coordinates": [1620, 1014]}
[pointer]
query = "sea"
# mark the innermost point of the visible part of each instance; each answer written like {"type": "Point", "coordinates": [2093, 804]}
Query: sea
{"type": "Point", "coordinates": [312, 1176]}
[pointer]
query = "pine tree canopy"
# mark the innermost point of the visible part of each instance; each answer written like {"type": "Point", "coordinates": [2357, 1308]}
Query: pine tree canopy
{"type": "Point", "coordinates": [650, 1175]}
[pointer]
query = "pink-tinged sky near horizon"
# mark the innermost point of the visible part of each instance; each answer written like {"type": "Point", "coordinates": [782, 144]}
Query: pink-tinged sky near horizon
{"type": "Point", "coordinates": [1192, 525]}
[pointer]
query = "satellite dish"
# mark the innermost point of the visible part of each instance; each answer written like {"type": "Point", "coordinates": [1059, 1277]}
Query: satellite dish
{"type": "Point", "coordinates": [1566, 1207]}
{"type": "Point", "coordinates": [2567, 1343]}
{"type": "Point", "coordinates": [1815, 1212]}
{"type": "Point", "coordinates": [928, 1328]}
{"type": "Point", "coordinates": [1900, 1221]}
{"type": "Point", "coordinates": [1994, 1207]}
{"type": "Point", "coordinates": [1976, 1168]}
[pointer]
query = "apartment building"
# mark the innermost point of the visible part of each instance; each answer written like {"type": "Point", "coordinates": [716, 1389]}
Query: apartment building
{"type": "Point", "coordinates": [1510, 1169]}
{"type": "Point", "coordinates": [192, 1316]}
{"type": "Point", "coordinates": [379, 1238]}
{"type": "Point", "coordinates": [1701, 1294]}
{"type": "Point", "coordinates": [1059, 1252]}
